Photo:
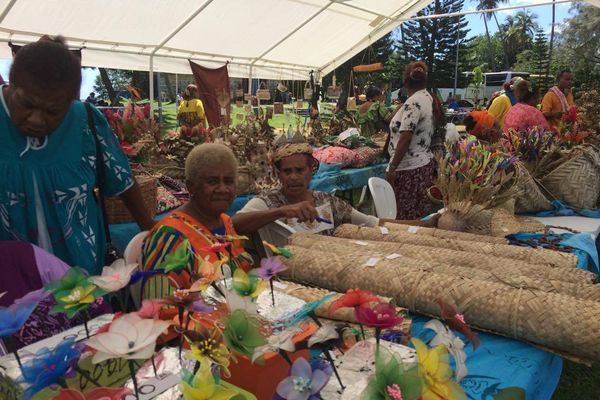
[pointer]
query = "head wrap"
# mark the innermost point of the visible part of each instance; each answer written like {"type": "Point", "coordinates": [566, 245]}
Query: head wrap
{"type": "Point", "coordinates": [483, 120]}
{"type": "Point", "coordinates": [285, 147]}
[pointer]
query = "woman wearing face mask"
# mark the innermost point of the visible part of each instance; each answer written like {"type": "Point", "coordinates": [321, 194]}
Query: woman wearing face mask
{"type": "Point", "coordinates": [48, 159]}
{"type": "Point", "coordinates": [295, 166]}
{"type": "Point", "coordinates": [201, 223]}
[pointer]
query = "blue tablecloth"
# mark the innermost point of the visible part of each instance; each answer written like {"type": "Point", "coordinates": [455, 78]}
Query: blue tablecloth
{"type": "Point", "coordinates": [330, 177]}
{"type": "Point", "coordinates": [562, 209]}
{"type": "Point", "coordinates": [500, 362]}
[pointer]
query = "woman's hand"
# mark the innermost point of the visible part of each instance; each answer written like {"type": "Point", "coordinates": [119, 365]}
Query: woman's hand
{"type": "Point", "coordinates": [390, 175]}
{"type": "Point", "coordinates": [303, 211]}
{"type": "Point", "coordinates": [433, 221]}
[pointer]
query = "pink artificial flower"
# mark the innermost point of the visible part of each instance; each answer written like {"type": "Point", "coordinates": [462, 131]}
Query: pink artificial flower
{"type": "Point", "coordinates": [382, 316]}
{"type": "Point", "coordinates": [139, 113]}
{"type": "Point", "coordinates": [216, 247]}
{"type": "Point", "coordinates": [460, 317]}
{"type": "Point", "coordinates": [394, 392]}
{"type": "Point", "coordinates": [127, 112]}
{"type": "Point", "coordinates": [150, 309]}
{"type": "Point", "coordinates": [102, 393]}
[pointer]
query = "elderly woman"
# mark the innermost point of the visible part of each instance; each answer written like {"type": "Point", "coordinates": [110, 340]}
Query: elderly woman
{"type": "Point", "coordinates": [295, 165]}
{"type": "Point", "coordinates": [191, 110]}
{"type": "Point", "coordinates": [201, 223]}
{"type": "Point", "coordinates": [525, 115]}
{"type": "Point", "coordinates": [54, 151]}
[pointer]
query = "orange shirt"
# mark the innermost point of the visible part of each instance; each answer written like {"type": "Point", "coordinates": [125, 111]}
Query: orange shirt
{"type": "Point", "coordinates": [551, 103]}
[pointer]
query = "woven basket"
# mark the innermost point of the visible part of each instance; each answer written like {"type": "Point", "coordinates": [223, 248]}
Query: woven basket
{"type": "Point", "coordinates": [533, 256]}
{"type": "Point", "coordinates": [497, 272]}
{"type": "Point", "coordinates": [503, 223]}
{"type": "Point", "coordinates": [451, 257]}
{"type": "Point", "coordinates": [577, 181]}
{"type": "Point", "coordinates": [530, 197]}
{"type": "Point", "coordinates": [444, 234]}
{"type": "Point", "coordinates": [558, 322]}
{"type": "Point", "coordinates": [117, 212]}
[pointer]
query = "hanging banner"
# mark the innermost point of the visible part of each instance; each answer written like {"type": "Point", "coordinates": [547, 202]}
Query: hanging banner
{"type": "Point", "coordinates": [213, 90]}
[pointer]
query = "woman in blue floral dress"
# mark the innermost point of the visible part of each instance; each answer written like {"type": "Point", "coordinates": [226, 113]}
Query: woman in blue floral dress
{"type": "Point", "coordinates": [48, 159]}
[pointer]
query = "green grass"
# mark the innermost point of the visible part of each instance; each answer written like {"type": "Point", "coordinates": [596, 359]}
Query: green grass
{"type": "Point", "coordinates": [578, 382]}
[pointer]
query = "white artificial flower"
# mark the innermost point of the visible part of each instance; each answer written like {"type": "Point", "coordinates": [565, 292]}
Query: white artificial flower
{"type": "Point", "coordinates": [323, 334]}
{"type": "Point", "coordinates": [453, 343]}
{"type": "Point", "coordinates": [237, 302]}
{"type": "Point", "coordinates": [128, 337]}
{"type": "Point", "coordinates": [281, 341]}
{"type": "Point", "coordinates": [115, 277]}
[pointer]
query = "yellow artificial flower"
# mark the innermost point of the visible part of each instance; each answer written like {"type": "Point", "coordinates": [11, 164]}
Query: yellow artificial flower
{"type": "Point", "coordinates": [436, 372]}
{"type": "Point", "coordinates": [202, 386]}
{"type": "Point", "coordinates": [248, 284]}
{"type": "Point", "coordinates": [79, 295]}
{"type": "Point", "coordinates": [207, 273]}
{"type": "Point", "coordinates": [210, 350]}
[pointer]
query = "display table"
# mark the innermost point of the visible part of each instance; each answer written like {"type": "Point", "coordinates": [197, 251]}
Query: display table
{"type": "Point", "coordinates": [575, 222]}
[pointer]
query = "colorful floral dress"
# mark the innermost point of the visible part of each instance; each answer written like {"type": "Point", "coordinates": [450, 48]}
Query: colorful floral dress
{"type": "Point", "coordinates": [374, 119]}
{"type": "Point", "coordinates": [47, 186]}
{"type": "Point", "coordinates": [522, 117]}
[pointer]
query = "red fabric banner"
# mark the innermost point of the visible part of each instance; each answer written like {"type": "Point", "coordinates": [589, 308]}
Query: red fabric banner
{"type": "Point", "coordinates": [213, 90]}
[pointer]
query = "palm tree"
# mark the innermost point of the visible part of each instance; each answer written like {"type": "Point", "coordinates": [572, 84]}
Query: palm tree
{"type": "Point", "coordinates": [488, 5]}
{"type": "Point", "coordinates": [525, 22]}
{"type": "Point", "coordinates": [519, 31]}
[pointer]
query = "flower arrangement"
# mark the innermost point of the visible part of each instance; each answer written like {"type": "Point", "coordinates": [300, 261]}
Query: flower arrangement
{"type": "Point", "coordinates": [572, 133]}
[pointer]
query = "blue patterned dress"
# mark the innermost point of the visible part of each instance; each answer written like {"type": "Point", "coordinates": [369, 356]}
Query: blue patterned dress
{"type": "Point", "coordinates": [47, 186]}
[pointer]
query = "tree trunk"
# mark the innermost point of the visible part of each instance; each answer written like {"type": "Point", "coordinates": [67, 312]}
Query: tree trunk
{"type": "Point", "coordinates": [108, 86]}
{"type": "Point", "coordinates": [504, 41]}
{"type": "Point", "coordinates": [551, 44]}
{"type": "Point", "coordinates": [492, 52]}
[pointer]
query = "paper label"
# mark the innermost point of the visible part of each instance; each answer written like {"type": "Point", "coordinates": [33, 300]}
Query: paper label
{"type": "Point", "coordinates": [504, 230]}
{"type": "Point", "coordinates": [372, 261]}
{"type": "Point", "coordinates": [413, 229]}
{"type": "Point", "coordinates": [324, 211]}
{"type": "Point", "coordinates": [360, 243]}
{"type": "Point", "coordinates": [393, 256]}
{"type": "Point", "coordinates": [384, 230]}
{"type": "Point", "coordinates": [152, 387]}
{"type": "Point", "coordinates": [223, 111]}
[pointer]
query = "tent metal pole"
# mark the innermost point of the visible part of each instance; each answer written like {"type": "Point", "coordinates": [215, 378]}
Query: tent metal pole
{"type": "Point", "coordinates": [176, 91]}
{"type": "Point", "coordinates": [7, 9]}
{"type": "Point", "coordinates": [151, 81]}
{"type": "Point", "coordinates": [250, 85]}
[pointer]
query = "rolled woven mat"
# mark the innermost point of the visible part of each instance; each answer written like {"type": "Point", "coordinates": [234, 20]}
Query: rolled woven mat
{"type": "Point", "coordinates": [504, 223]}
{"type": "Point", "coordinates": [309, 294]}
{"type": "Point", "coordinates": [444, 234]}
{"type": "Point", "coordinates": [555, 321]}
{"type": "Point", "coordinates": [455, 257]}
{"type": "Point", "coordinates": [498, 274]}
{"type": "Point", "coordinates": [534, 256]}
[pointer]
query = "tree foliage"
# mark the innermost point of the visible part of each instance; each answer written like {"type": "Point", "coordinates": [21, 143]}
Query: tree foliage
{"type": "Point", "coordinates": [434, 41]}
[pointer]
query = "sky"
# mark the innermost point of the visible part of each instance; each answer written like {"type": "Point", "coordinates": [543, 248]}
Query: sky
{"type": "Point", "coordinates": [544, 14]}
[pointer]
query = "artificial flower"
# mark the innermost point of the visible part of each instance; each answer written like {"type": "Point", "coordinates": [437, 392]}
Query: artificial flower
{"type": "Point", "coordinates": [248, 284]}
{"type": "Point", "coordinates": [353, 298]}
{"type": "Point", "coordinates": [202, 386]}
{"type": "Point", "coordinates": [436, 372]}
{"type": "Point", "coordinates": [456, 322]}
{"type": "Point", "coordinates": [182, 298]}
{"type": "Point", "coordinates": [283, 341]}
{"type": "Point", "coordinates": [236, 302]}
{"type": "Point", "coordinates": [279, 251]}
{"type": "Point", "coordinates": [216, 247]}
{"type": "Point", "coordinates": [206, 346]}
{"type": "Point", "coordinates": [32, 297]}
{"type": "Point", "coordinates": [303, 383]}
{"type": "Point", "coordinates": [270, 267]}
{"type": "Point", "coordinates": [102, 393]}
{"type": "Point", "coordinates": [150, 309]}
{"type": "Point", "coordinates": [114, 277]}
{"type": "Point", "coordinates": [48, 367]}
{"type": "Point", "coordinates": [178, 259]}
{"type": "Point", "coordinates": [73, 278]}
{"type": "Point", "coordinates": [324, 334]}
{"type": "Point", "coordinates": [381, 316]}
{"type": "Point", "coordinates": [13, 317]}
{"type": "Point", "coordinates": [308, 310]}
{"type": "Point", "coordinates": [453, 344]}
{"type": "Point", "coordinates": [139, 275]}
{"type": "Point", "coordinates": [129, 337]}
{"type": "Point", "coordinates": [208, 272]}
{"type": "Point", "coordinates": [73, 292]}
{"type": "Point", "coordinates": [241, 333]}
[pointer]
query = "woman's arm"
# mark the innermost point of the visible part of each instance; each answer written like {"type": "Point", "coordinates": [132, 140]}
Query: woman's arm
{"type": "Point", "coordinates": [401, 149]}
{"type": "Point", "coordinates": [134, 202]}
{"type": "Point", "coordinates": [252, 218]}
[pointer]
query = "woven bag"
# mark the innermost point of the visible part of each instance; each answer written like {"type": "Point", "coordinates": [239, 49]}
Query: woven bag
{"type": "Point", "coordinates": [117, 212]}
{"type": "Point", "coordinates": [308, 92]}
{"type": "Point", "coordinates": [530, 197]}
{"type": "Point", "coordinates": [577, 181]}
{"type": "Point", "coordinates": [263, 93]}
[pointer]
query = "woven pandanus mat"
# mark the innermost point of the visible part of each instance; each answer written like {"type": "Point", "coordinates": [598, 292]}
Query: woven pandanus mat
{"type": "Point", "coordinates": [530, 197]}
{"type": "Point", "coordinates": [498, 273]}
{"type": "Point", "coordinates": [530, 255]}
{"type": "Point", "coordinates": [555, 321]}
{"type": "Point", "coordinates": [444, 234]}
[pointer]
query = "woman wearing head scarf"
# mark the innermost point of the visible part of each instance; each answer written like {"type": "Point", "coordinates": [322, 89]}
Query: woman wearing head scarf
{"type": "Point", "coordinates": [483, 126]}
{"type": "Point", "coordinates": [191, 110]}
{"type": "Point", "coordinates": [200, 224]}
{"type": "Point", "coordinates": [295, 166]}
{"type": "Point", "coordinates": [48, 169]}
{"type": "Point", "coordinates": [412, 163]}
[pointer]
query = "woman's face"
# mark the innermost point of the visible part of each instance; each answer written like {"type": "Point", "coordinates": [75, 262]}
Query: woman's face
{"type": "Point", "coordinates": [36, 112]}
{"type": "Point", "coordinates": [214, 191]}
{"type": "Point", "coordinates": [295, 173]}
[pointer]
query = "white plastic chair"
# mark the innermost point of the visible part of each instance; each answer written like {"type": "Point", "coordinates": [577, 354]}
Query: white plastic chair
{"type": "Point", "coordinates": [383, 198]}
{"type": "Point", "coordinates": [133, 255]}
{"type": "Point", "coordinates": [276, 233]}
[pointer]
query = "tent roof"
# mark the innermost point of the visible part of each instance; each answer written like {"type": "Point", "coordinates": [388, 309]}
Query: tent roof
{"type": "Point", "coordinates": [280, 39]}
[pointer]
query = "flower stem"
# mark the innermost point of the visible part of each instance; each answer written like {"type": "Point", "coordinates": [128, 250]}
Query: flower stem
{"type": "Point", "coordinates": [154, 366]}
{"type": "Point", "coordinates": [133, 377]}
{"type": "Point", "coordinates": [377, 335]}
{"type": "Point", "coordinates": [63, 383]}
{"type": "Point", "coordinates": [272, 294]}
{"type": "Point", "coordinates": [86, 376]}
{"type": "Point", "coordinates": [328, 356]}
{"type": "Point", "coordinates": [214, 285]}
{"type": "Point", "coordinates": [314, 318]}
{"type": "Point", "coordinates": [86, 317]}
{"type": "Point", "coordinates": [362, 331]}
{"type": "Point", "coordinates": [180, 311]}
{"type": "Point", "coordinates": [13, 348]}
